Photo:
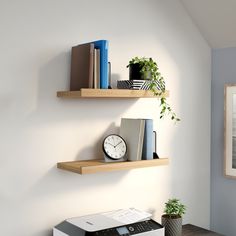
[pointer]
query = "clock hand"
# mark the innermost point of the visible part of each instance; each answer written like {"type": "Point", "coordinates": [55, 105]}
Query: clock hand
{"type": "Point", "coordinates": [118, 144]}
{"type": "Point", "coordinates": [111, 144]}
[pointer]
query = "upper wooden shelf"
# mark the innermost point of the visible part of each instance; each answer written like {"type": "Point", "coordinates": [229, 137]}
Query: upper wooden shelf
{"type": "Point", "coordinates": [108, 93]}
{"type": "Point", "coordinates": [94, 166]}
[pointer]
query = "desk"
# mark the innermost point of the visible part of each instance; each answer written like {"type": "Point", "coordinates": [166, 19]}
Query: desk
{"type": "Point", "coordinates": [192, 230]}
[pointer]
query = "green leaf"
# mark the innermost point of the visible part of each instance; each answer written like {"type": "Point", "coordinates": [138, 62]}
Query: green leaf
{"type": "Point", "coordinates": [149, 66]}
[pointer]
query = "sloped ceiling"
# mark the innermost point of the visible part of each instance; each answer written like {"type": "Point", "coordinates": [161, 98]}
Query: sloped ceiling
{"type": "Point", "coordinates": [216, 20]}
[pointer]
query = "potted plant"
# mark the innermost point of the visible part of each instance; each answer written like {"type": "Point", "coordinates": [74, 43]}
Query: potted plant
{"type": "Point", "coordinates": [142, 68]}
{"type": "Point", "coordinates": [172, 219]}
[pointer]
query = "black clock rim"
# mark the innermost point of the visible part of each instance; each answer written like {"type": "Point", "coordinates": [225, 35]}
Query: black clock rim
{"type": "Point", "coordinates": [104, 151]}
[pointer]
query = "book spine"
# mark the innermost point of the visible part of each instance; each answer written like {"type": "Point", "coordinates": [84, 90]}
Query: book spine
{"type": "Point", "coordinates": [147, 153]}
{"type": "Point", "coordinates": [104, 66]}
{"type": "Point", "coordinates": [98, 68]}
{"type": "Point", "coordinates": [95, 69]}
{"type": "Point", "coordinates": [103, 46]}
{"type": "Point", "coordinates": [91, 65]}
{"type": "Point", "coordinates": [141, 139]}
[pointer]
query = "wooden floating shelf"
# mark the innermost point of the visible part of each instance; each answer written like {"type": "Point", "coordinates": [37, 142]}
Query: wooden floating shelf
{"type": "Point", "coordinates": [108, 93]}
{"type": "Point", "coordinates": [94, 166]}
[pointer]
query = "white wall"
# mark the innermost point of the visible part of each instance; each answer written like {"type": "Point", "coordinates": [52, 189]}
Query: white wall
{"type": "Point", "coordinates": [38, 129]}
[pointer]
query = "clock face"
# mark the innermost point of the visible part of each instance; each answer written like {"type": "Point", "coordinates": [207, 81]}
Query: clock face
{"type": "Point", "coordinates": [114, 147]}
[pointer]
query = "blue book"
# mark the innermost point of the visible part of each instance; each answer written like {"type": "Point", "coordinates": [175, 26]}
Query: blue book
{"type": "Point", "coordinates": [103, 46]}
{"type": "Point", "coordinates": [147, 153]}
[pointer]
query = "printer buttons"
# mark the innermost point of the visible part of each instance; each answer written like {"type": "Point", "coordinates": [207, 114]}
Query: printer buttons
{"type": "Point", "coordinates": [131, 229]}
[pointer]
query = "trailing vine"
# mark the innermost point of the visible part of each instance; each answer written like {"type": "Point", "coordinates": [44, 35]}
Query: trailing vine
{"type": "Point", "coordinates": [150, 71]}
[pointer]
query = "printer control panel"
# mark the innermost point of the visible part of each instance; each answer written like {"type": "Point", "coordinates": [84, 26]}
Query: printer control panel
{"type": "Point", "coordinates": [130, 229]}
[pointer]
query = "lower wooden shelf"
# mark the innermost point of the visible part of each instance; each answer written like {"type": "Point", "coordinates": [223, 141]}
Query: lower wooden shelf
{"type": "Point", "coordinates": [94, 166]}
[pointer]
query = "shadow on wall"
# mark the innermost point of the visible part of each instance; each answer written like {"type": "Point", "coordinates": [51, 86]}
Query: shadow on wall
{"type": "Point", "coordinates": [53, 113]}
{"type": "Point", "coordinates": [45, 233]}
{"type": "Point", "coordinates": [97, 145]}
{"type": "Point", "coordinates": [55, 76]}
{"type": "Point", "coordinates": [50, 110]}
{"type": "Point", "coordinates": [52, 187]}
{"type": "Point", "coordinates": [57, 183]}
{"type": "Point", "coordinates": [55, 191]}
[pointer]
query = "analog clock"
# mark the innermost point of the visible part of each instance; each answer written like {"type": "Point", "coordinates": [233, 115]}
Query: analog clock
{"type": "Point", "coordinates": [114, 147]}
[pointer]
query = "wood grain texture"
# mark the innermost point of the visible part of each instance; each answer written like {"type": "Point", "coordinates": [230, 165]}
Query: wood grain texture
{"type": "Point", "coordinates": [108, 93]}
{"type": "Point", "coordinates": [94, 166]}
{"type": "Point", "coordinates": [192, 230]}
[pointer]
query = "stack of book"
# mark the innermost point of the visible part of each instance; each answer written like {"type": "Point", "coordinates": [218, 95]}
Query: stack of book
{"type": "Point", "coordinates": [89, 65]}
{"type": "Point", "coordinates": [138, 134]}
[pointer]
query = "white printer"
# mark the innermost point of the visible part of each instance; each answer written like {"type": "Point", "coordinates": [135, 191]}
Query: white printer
{"type": "Point", "coordinates": [104, 225]}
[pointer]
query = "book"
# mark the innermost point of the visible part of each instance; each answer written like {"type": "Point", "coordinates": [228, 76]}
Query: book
{"type": "Point", "coordinates": [103, 46]}
{"type": "Point", "coordinates": [147, 153]}
{"type": "Point", "coordinates": [96, 71]}
{"type": "Point", "coordinates": [81, 66]}
{"type": "Point", "coordinates": [132, 131]}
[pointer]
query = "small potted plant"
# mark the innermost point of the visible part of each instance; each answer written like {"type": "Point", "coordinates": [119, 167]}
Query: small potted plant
{"type": "Point", "coordinates": [142, 68]}
{"type": "Point", "coordinates": [172, 219]}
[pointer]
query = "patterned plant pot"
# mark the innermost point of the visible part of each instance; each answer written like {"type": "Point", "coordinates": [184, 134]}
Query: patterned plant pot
{"type": "Point", "coordinates": [173, 225]}
{"type": "Point", "coordinates": [136, 84]}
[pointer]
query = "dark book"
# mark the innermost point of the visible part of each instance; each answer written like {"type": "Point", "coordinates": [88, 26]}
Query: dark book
{"type": "Point", "coordinates": [82, 66]}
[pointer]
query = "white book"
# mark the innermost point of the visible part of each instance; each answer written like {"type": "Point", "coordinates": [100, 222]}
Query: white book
{"type": "Point", "coordinates": [96, 71]}
{"type": "Point", "coordinates": [132, 131]}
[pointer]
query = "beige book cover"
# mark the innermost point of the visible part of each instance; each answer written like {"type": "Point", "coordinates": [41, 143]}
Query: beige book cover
{"type": "Point", "coordinates": [132, 131]}
{"type": "Point", "coordinates": [96, 70]}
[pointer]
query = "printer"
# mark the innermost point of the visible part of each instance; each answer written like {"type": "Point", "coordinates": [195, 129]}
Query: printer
{"type": "Point", "coordinates": [102, 225]}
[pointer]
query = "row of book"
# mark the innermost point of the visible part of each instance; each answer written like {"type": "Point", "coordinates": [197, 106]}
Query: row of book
{"type": "Point", "coordinates": [89, 65]}
{"type": "Point", "coordinates": [139, 137]}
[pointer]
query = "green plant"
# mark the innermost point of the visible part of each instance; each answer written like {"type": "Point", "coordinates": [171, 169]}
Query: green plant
{"type": "Point", "coordinates": [173, 208]}
{"type": "Point", "coordinates": [148, 67]}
